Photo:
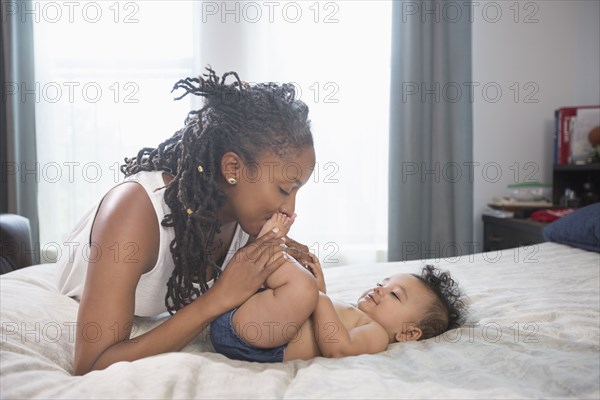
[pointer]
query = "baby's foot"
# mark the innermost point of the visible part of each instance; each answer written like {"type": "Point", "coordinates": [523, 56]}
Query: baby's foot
{"type": "Point", "coordinates": [280, 221]}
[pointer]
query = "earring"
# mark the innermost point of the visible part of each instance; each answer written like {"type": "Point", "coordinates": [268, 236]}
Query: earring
{"type": "Point", "coordinates": [189, 211]}
{"type": "Point", "coordinates": [200, 168]}
{"type": "Point", "coordinates": [232, 181]}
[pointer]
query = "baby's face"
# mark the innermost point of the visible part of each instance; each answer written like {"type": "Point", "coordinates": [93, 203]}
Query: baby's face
{"type": "Point", "coordinates": [396, 302]}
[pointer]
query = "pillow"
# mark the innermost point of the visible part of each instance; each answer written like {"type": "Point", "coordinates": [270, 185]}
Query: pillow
{"type": "Point", "coordinates": [579, 229]}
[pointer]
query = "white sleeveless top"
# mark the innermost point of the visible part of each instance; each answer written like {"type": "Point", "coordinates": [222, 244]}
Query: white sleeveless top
{"type": "Point", "coordinates": [152, 287]}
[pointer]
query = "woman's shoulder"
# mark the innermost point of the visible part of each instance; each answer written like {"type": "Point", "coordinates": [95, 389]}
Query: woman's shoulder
{"type": "Point", "coordinates": [127, 194]}
{"type": "Point", "coordinates": [128, 201]}
{"type": "Point", "coordinates": [126, 217]}
{"type": "Point", "coordinates": [155, 179]}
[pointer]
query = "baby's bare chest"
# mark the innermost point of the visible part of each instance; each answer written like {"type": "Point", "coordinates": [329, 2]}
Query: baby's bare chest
{"type": "Point", "coordinates": [350, 316]}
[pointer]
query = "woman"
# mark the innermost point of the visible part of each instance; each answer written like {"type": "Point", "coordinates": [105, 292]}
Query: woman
{"type": "Point", "coordinates": [160, 241]}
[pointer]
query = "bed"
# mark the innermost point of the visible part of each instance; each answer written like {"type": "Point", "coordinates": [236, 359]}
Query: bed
{"type": "Point", "coordinates": [532, 332]}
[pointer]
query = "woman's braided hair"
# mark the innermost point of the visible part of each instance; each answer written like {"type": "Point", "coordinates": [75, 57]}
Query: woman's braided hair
{"type": "Point", "coordinates": [248, 120]}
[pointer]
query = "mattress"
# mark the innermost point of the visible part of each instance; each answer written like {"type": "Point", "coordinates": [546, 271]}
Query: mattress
{"type": "Point", "coordinates": [532, 331]}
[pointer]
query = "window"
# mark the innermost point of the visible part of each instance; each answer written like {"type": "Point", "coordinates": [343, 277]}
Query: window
{"type": "Point", "coordinates": [105, 71]}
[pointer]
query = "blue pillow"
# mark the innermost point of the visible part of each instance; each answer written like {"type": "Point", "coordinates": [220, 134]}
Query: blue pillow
{"type": "Point", "coordinates": [579, 229]}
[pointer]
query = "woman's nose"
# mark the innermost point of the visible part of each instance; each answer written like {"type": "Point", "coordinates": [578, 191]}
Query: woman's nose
{"type": "Point", "coordinates": [289, 206]}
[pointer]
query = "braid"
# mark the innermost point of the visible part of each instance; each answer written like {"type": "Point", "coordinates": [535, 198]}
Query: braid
{"type": "Point", "coordinates": [246, 119]}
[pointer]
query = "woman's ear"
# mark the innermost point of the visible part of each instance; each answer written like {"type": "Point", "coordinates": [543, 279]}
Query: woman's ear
{"type": "Point", "coordinates": [231, 165]}
{"type": "Point", "coordinates": [409, 333]}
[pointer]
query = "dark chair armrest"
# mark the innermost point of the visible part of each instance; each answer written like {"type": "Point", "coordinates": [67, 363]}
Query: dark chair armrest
{"type": "Point", "coordinates": [15, 243]}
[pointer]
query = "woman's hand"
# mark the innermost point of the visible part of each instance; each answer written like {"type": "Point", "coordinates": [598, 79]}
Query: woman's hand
{"type": "Point", "coordinates": [248, 270]}
{"type": "Point", "coordinates": [314, 267]}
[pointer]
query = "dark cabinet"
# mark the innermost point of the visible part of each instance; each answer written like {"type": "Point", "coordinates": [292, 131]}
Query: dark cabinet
{"type": "Point", "coordinates": [506, 233]}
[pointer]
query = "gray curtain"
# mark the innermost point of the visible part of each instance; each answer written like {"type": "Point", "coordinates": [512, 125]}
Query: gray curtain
{"type": "Point", "coordinates": [17, 112]}
{"type": "Point", "coordinates": [431, 179]}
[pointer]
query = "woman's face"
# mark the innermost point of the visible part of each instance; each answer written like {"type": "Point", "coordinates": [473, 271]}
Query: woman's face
{"type": "Point", "coordinates": [267, 186]}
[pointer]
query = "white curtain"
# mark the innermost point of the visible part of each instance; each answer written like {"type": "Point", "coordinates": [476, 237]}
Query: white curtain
{"type": "Point", "coordinates": [337, 53]}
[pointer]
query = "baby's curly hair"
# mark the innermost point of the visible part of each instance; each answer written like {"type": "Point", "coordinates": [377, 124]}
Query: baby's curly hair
{"type": "Point", "coordinates": [448, 310]}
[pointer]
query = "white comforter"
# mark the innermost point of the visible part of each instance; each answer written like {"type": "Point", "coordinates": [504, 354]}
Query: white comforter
{"type": "Point", "coordinates": [533, 332]}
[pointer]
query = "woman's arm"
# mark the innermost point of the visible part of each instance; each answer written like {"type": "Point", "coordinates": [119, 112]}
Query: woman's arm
{"type": "Point", "coordinates": [334, 340]}
{"type": "Point", "coordinates": [126, 218]}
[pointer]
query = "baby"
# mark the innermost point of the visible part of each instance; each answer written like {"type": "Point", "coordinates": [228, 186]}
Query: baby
{"type": "Point", "coordinates": [292, 317]}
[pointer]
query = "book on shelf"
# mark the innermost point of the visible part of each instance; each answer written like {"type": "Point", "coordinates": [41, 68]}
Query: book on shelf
{"type": "Point", "coordinates": [571, 128]}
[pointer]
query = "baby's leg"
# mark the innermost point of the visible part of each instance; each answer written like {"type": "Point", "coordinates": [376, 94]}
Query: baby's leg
{"type": "Point", "coordinates": [274, 316]}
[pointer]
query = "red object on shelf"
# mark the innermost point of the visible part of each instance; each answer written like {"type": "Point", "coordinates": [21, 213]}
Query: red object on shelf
{"type": "Point", "coordinates": [550, 215]}
{"type": "Point", "coordinates": [564, 121]}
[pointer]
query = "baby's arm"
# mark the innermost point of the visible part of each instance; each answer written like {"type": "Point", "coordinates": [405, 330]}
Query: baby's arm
{"type": "Point", "coordinates": [314, 266]}
{"type": "Point", "coordinates": [334, 340]}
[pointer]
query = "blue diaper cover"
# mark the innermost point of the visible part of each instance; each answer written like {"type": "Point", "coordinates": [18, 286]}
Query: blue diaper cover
{"type": "Point", "coordinates": [226, 341]}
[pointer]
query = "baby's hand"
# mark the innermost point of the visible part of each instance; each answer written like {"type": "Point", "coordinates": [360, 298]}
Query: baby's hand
{"type": "Point", "coordinates": [314, 267]}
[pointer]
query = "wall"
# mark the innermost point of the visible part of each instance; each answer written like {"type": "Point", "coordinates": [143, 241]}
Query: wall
{"type": "Point", "coordinates": [541, 55]}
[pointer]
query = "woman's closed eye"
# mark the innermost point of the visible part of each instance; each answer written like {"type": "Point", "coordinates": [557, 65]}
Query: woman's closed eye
{"type": "Point", "coordinates": [284, 192]}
